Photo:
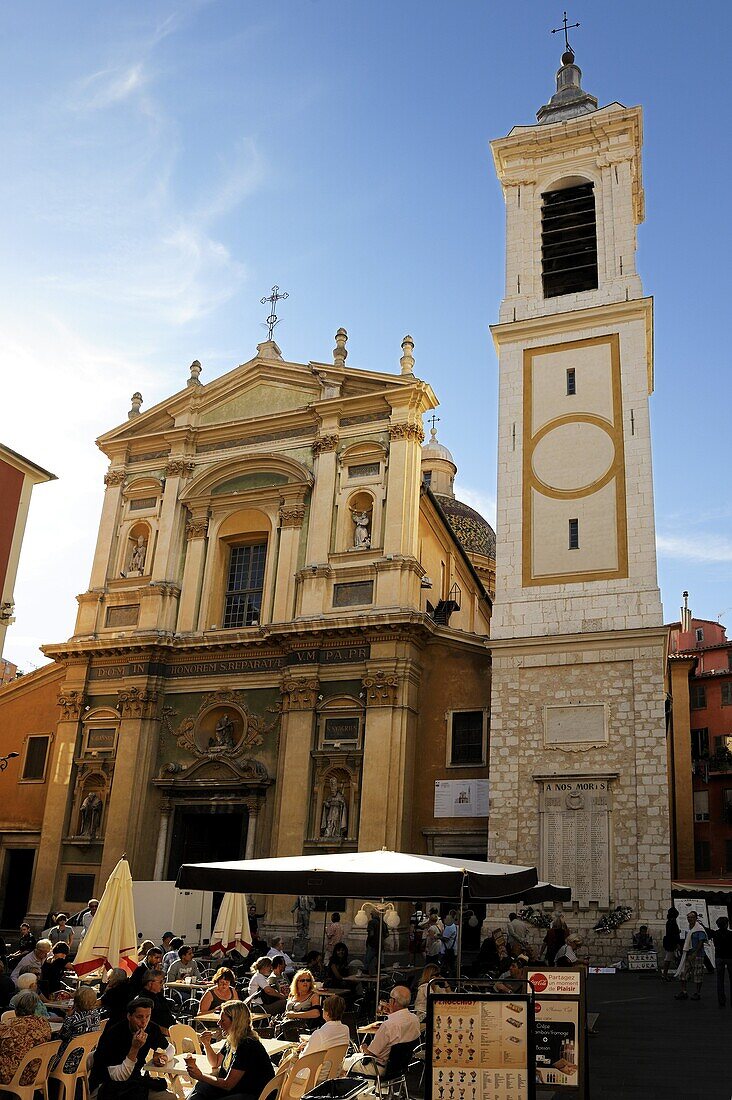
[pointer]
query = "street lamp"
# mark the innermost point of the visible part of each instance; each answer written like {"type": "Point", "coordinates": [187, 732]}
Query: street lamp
{"type": "Point", "coordinates": [390, 917]}
{"type": "Point", "coordinates": [4, 760]}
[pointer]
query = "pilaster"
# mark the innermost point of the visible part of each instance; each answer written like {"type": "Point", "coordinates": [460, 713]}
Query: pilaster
{"type": "Point", "coordinates": [190, 597]}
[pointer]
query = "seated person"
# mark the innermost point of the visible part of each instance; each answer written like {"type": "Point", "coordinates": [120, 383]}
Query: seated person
{"type": "Point", "coordinates": [261, 994]}
{"type": "Point", "coordinates": [166, 944]}
{"type": "Point", "coordinates": [278, 979]}
{"type": "Point", "coordinates": [86, 1015]}
{"type": "Point", "coordinates": [152, 989]}
{"type": "Point", "coordinates": [122, 1051]}
{"type": "Point", "coordinates": [117, 994]}
{"type": "Point", "coordinates": [34, 959]}
{"type": "Point", "coordinates": [333, 1032]}
{"type": "Point", "coordinates": [171, 955]}
{"type": "Point", "coordinates": [400, 1026]}
{"type": "Point", "coordinates": [511, 980]}
{"type": "Point", "coordinates": [242, 1067]}
{"type": "Point", "coordinates": [25, 944]}
{"type": "Point", "coordinates": [487, 962]}
{"type": "Point", "coordinates": [223, 990]}
{"type": "Point", "coordinates": [185, 967]}
{"type": "Point", "coordinates": [51, 980]}
{"type": "Point", "coordinates": [278, 948]}
{"type": "Point", "coordinates": [303, 1003]}
{"type": "Point", "coordinates": [28, 983]}
{"type": "Point", "coordinates": [153, 960]}
{"type": "Point", "coordinates": [258, 949]}
{"type": "Point", "coordinates": [642, 940]}
{"type": "Point", "coordinates": [430, 972]}
{"type": "Point", "coordinates": [314, 962]}
{"type": "Point", "coordinates": [19, 1034]}
{"type": "Point", "coordinates": [567, 953]}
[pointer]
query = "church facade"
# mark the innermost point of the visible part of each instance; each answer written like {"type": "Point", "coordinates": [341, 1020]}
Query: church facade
{"type": "Point", "coordinates": [283, 646]}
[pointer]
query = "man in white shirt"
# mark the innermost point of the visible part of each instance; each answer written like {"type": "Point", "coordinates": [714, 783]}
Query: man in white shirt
{"type": "Point", "coordinates": [400, 1026]}
{"type": "Point", "coordinates": [518, 935]}
{"type": "Point", "coordinates": [34, 959]}
{"type": "Point", "coordinates": [185, 967]}
{"type": "Point", "coordinates": [278, 949]}
{"type": "Point", "coordinates": [334, 1032]}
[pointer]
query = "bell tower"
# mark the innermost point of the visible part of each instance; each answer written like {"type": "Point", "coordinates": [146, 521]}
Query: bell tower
{"type": "Point", "coordinates": [578, 764]}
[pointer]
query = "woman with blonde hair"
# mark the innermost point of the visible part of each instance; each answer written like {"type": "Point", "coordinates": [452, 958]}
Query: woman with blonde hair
{"type": "Point", "coordinates": [242, 1066]}
{"type": "Point", "coordinates": [303, 1002]}
{"type": "Point", "coordinates": [223, 990]}
{"type": "Point", "coordinates": [86, 1016]}
{"type": "Point", "coordinates": [420, 1001]}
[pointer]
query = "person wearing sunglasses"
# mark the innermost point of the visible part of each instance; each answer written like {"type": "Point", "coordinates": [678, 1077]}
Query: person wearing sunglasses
{"type": "Point", "coordinates": [303, 1002]}
{"type": "Point", "coordinates": [242, 1066]}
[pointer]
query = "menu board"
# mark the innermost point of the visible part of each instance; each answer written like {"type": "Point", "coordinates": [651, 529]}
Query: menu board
{"type": "Point", "coordinates": [481, 1047]}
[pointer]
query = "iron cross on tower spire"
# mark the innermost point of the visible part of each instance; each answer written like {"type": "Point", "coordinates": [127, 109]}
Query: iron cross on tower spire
{"type": "Point", "coordinates": [566, 27]}
{"type": "Point", "coordinates": [273, 299]}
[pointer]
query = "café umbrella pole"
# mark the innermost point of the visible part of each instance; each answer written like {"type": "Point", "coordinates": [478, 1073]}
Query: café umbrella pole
{"type": "Point", "coordinates": [378, 961]}
{"type": "Point", "coordinates": [460, 934]}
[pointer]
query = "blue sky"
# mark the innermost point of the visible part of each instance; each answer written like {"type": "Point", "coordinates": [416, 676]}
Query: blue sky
{"type": "Point", "coordinates": [166, 162]}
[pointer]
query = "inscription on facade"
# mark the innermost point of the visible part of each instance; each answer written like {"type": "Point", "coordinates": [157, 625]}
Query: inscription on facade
{"type": "Point", "coordinates": [575, 837]}
{"type": "Point", "coordinates": [232, 666]}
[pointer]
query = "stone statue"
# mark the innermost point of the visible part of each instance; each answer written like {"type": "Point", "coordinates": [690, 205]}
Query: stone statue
{"type": "Point", "coordinates": [137, 561]}
{"type": "Point", "coordinates": [362, 533]}
{"type": "Point", "coordinates": [223, 737]}
{"type": "Point", "coordinates": [90, 815]}
{"type": "Point", "coordinates": [302, 909]}
{"type": "Point", "coordinates": [334, 816]}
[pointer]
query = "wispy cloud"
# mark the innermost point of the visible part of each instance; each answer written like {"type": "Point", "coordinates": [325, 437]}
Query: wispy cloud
{"type": "Point", "coordinates": [111, 86]}
{"type": "Point", "coordinates": [701, 547]}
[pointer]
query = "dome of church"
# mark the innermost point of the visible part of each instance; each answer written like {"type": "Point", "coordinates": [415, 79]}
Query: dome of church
{"type": "Point", "coordinates": [436, 450]}
{"type": "Point", "coordinates": [474, 533]}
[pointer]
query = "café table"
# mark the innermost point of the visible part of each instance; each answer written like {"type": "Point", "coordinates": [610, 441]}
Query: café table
{"type": "Point", "coordinates": [213, 1017]}
{"type": "Point", "coordinates": [182, 984]}
{"type": "Point", "coordinates": [177, 1068]}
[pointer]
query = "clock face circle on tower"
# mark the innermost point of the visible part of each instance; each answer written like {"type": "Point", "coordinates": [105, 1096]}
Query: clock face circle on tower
{"type": "Point", "coordinates": [573, 455]}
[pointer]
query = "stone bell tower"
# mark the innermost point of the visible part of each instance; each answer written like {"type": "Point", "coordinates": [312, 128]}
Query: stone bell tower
{"type": "Point", "coordinates": [578, 756]}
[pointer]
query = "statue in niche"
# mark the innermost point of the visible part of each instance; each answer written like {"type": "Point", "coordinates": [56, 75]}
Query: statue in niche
{"type": "Point", "coordinates": [334, 815]}
{"type": "Point", "coordinates": [362, 532]}
{"type": "Point", "coordinates": [223, 737]}
{"type": "Point", "coordinates": [90, 815]}
{"type": "Point", "coordinates": [137, 561]}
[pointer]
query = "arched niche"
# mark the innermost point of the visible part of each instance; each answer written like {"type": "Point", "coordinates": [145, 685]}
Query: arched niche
{"type": "Point", "coordinates": [358, 521]}
{"type": "Point", "coordinates": [137, 548]}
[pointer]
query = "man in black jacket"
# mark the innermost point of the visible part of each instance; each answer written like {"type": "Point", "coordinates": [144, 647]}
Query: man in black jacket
{"type": "Point", "coordinates": [122, 1051]}
{"type": "Point", "coordinates": [722, 958]}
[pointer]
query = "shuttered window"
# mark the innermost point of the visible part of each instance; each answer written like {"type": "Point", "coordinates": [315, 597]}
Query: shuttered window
{"type": "Point", "coordinates": [34, 766]}
{"type": "Point", "coordinates": [568, 241]}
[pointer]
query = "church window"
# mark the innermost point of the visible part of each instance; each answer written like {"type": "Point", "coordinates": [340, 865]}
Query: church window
{"type": "Point", "coordinates": [701, 805]}
{"type": "Point", "coordinates": [571, 382]}
{"type": "Point", "coordinates": [427, 478]}
{"type": "Point", "coordinates": [574, 534]}
{"type": "Point", "coordinates": [697, 696]}
{"type": "Point", "coordinates": [244, 585]}
{"type": "Point", "coordinates": [699, 744]}
{"type": "Point", "coordinates": [727, 694]}
{"type": "Point", "coordinates": [569, 241]}
{"type": "Point", "coordinates": [34, 765]}
{"type": "Point", "coordinates": [467, 738]}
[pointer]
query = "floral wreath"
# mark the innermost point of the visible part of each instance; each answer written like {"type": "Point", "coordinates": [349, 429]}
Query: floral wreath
{"type": "Point", "coordinates": [613, 920]}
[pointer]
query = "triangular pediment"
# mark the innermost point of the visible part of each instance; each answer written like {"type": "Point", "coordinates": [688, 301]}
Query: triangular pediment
{"type": "Point", "coordinates": [258, 397]}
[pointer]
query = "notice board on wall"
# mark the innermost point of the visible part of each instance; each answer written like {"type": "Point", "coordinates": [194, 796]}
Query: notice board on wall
{"type": "Point", "coordinates": [480, 1046]}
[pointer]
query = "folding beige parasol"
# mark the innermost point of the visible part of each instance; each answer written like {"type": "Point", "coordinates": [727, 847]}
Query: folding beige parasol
{"type": "Point", "coordinates": [231, 929]}
{"type": "Point", "coordinates": [112, 936]}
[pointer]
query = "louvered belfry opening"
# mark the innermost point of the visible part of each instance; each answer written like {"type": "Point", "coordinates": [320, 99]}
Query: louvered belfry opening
{"type": "Point", "coordinates": [568, 241]}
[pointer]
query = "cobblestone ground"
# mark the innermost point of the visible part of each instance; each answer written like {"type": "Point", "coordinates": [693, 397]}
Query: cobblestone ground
{"type": "Point", "coordinates": [649, 1045]}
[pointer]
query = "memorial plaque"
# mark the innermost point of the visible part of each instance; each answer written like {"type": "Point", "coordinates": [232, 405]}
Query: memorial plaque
{"type": "Point", "coordinates": [575, 837]}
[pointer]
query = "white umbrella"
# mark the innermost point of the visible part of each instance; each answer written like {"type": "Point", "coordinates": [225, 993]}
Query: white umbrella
{"type": "Point", "coordinates": [112, 936]}
{"type": "Point", "coordinates": [231, 930]}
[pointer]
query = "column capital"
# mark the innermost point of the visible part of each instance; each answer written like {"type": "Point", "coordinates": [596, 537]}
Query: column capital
{"type": "Point", "coordinates": [197, 528]}
{"type": "Point", "coordinates": [381, 688]}
{"type": "Point", "coordinates": [179, 467]}
{"type": "Point", "coordinates": [292, 515]}
{"type": "Point", "coordinates": [71, 703]}
{"type": "Point", "coordinates": [408, 430]}
{"type": "Point", "coordinates": [299, 693]}
{"type": "Point", "coordinates": [325, 443]}
{"type": "Point", "coordinates": [137, 703]}
{"type": "Point", "coordinates": [114, 477]}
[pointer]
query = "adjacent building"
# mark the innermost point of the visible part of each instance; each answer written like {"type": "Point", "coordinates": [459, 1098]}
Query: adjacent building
{"type": "Point", "coordinates": [699, 683]}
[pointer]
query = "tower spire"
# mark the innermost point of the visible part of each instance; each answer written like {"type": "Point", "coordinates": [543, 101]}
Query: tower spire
{"type": "Point", "coordinates": [569, 100]}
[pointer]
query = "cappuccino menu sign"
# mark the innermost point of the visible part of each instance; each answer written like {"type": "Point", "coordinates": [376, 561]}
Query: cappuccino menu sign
{"type": "Point", "coordinates": [575, 836]}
